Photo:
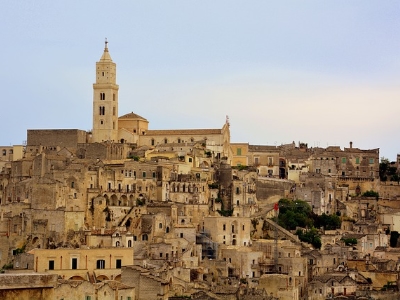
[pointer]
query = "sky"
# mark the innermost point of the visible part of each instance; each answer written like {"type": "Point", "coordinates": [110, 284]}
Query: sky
{"type": "Point", "coordinates": [319, 72]}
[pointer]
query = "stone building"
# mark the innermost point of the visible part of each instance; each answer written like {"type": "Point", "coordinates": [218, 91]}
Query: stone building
{"type": "Point", "coordinates": [83, 264]}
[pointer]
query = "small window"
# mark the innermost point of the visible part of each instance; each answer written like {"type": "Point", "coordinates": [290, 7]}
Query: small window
{"type": "Point", "coordinates": [51, 264]}
{"type": "Point", "coordinates": [343, 160]}
{"type": "Point", "coordinates": [100, 264]}
{"type": "Point", "coordinates": [154, 174]}
{"type": "Point", "coordinates": [144, 174]}
{"type": "Point", "coordinates": [357, 160]}
{"type": "Point", "coordinates": [152, 142]}
{"type": "Point", "coordinates": [74, 263]}
{"type": "Point", "coordinates": [239, 151]}
{"type": "Point", "coordinates": [72, 184]}
{"type": "Point", "coordinates": [181, 235]}
{"type": "Point", "coordinates": [102, 96]}
{"type": "Point", "coordinates": [160, 225]}
{"type": "Point", "coordinates": [118, 263]}
{"type": "Point", "coordinates": [371, 160]}
{"type": "Point", "coordinates": [165, 141]}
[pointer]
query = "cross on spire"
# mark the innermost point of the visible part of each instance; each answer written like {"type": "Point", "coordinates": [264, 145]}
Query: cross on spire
{"type": "Point", "coordinates": [106, 45]}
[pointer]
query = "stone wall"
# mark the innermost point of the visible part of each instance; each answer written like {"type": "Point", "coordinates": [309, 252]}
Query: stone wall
{"type": "Point", "coordinates": [68, 138]}
{"type": "Point", "coordinates": [271, 187]}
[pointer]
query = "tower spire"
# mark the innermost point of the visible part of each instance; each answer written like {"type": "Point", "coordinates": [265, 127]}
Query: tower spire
{"type": "Point", "coordinates": [106, 45]}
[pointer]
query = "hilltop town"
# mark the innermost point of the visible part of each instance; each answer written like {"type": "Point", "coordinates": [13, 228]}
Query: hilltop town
{"type": "Point", "coordinates": [125, 212]}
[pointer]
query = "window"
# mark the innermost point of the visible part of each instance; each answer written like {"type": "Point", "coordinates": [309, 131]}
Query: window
{"type": "Point", "coordinates": [371, 160]}
{"type": "Point", "coordinates": [179, 140]}
{"type": "Point", "coordinates": [190, 159]}
{"type": "Point", "coordinates": [113, 110]}
{"type": "Point", "coordinates": [329, 170]}
{"type": "Point", "coordinates": [256, 160]}
{"type": "Point", "coordinates": [160, 225]}
{"type": "Point", "coordinates": [74, 263]}
{"type": "Point", "coordinates": [51, 264]}
{"type": "Point", "coordinates": [154, 174]}
{"type": "Point", "coordinates": [100, 264]}
{"type": "Point", "coordinates": [118, 263]}
{"type": "Point", "coordinates": [270, 162]}
{"type": "Point", "coordinates": [343, 160]}
{"type": "Point", "coordinates": [181, 235]}
{"type": "Point", "coordinates": [129, 243]}
{"type": "Point", "coordinates": [144, 174]}
{"type": "Point", "coordinates": [357, 160]}
{"type": "Point", "coordinates": [88, 297]}
{"type": "Point", "coordinates": [102, 110]}
{"type": "Point", "coordinates": [113, 97]}
{"type": "Point", "coordinates": [4, 152]}
{"type": "Point", "coordinates": [165, 141]}
{"type": "Point", "coordinates": [102, 96]}
{"type": "Point", "coordinates": [224, 227]}
{"type": "Point", "coordinates": [72, 184]}
{"type": "Point", "coordinates": [239, 151]}
{"type": "Point", "coordinates": [152, 142]}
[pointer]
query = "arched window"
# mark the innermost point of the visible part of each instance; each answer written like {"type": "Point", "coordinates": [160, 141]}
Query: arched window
{"type": "Point", "coordinates": [152, 142]}
{"type": "Point", "coordinates": [145, 237]}
{"type": "Point", "coordinates": [102, 96]}
{"type": "Point", "coordinates": [165, 141]}
{"type": "Point", "coordinates": [160, 225]}
{"type": "Point", "coordinates": [129, 243]}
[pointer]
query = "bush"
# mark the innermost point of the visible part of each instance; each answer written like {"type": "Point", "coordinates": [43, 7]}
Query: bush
{"type": "Point", "coordinates": [371, 193]}
{"type": "Point", "coordinates": [349, 241]}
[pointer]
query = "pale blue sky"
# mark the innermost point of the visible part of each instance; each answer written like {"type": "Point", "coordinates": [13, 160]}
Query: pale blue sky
{"type": "Point", "coordinates": [320, 72]}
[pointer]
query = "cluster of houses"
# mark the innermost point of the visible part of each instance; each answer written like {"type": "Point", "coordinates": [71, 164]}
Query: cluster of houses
{"type": "Point", "coordinates": [124, 212]}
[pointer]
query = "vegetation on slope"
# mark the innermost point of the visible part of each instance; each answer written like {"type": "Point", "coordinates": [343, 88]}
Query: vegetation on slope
{"type": "Point", "coordinates": [295, 214]}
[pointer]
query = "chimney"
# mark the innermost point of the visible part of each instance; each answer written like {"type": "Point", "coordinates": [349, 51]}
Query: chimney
{"type": "Point", "coordinates": [351, 145]}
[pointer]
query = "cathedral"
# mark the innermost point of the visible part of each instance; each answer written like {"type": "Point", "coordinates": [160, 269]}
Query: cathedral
{"type": "Point", "coordinates": [119, 134]}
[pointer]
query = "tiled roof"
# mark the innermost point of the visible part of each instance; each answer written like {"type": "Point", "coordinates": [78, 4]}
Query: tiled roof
{"type": "Point", "coordinates": [132, 115]}
{"type": "Point", "coordinates": [184, 131]}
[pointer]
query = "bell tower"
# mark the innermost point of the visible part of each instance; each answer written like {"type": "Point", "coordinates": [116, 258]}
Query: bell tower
{"type": "Point", "coordinates": [105, 100]}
